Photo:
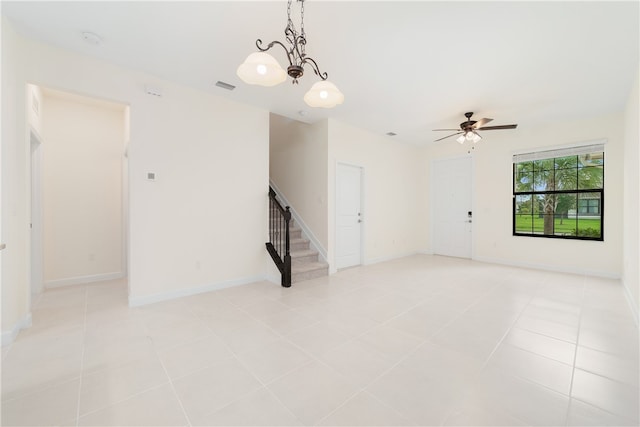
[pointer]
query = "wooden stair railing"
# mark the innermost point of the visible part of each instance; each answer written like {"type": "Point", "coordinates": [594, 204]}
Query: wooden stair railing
{"type": "Point", "coordinates": [278, 245]}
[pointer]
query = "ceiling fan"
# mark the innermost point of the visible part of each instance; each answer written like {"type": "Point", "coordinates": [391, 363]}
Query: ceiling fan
{"type": "Point", "coordinates": [468, 130]}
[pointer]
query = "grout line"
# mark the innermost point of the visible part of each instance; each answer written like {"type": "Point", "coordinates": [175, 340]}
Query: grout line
{"type": "Point", "coordinates": [155, 387]}
{"type": "Point", "coordinates": [173, 389]}
{"type": "Point", "coordinates": [486, 362]}
{"type": "Point", "coordinates": [575, 354]}
{"type": "Point", "coordinates": [249, 371]}
{"type": "Point", "coordinates": [84, 340]}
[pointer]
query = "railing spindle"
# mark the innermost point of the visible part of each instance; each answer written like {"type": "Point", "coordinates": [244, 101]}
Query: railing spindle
{"type": "Point", "coordinates": [279, 238]}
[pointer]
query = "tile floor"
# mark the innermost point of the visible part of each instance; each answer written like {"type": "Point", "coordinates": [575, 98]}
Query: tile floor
{"type": "Point", "coordinates": [422, 340]}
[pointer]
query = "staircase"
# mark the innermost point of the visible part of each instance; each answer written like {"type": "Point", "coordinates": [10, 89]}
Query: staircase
{"type": "Point", "coordinates": [289, 249]}
{"type": "Point", "coordinates": [304, 261]}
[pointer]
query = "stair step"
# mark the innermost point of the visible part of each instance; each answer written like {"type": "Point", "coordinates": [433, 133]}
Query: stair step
{"type": "Point", "coordinates": [308, 270]}
{"type": "Point", "coordinates": [304, 255]}
{"type": "Point", "coordinates": [298, 244]}
{"type": "Point", "coordinates": [294, 233]}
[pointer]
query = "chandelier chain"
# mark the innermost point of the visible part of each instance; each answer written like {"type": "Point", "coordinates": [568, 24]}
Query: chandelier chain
{"type": "Point", "coordinates": [302, 18]}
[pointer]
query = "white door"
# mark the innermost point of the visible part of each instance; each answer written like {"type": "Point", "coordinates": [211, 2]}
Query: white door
{"type": "Point", "coordinates": [451, 201]}
{"type": "Point", "coordinates": [348, 216]}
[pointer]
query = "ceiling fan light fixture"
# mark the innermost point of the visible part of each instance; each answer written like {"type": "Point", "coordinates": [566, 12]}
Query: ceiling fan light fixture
{"type": "Point", "coordinates": [468, 128]}
{"type": "Point", "coordinates": [323, 94]}
{"type": "Point", "coordinates": [262, 69]}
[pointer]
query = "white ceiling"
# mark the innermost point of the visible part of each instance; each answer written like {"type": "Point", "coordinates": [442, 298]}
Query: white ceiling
{"type": "Point", "coordinates": [406, 67]}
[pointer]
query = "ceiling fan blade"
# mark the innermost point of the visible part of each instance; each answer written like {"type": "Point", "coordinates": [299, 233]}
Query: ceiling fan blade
{"type": "Point", "coordinates": [499, 127]}
{"type": "Point", "coordinates": [481, 123]}
{"type": "Point", "coordinates": [445, 137]}
{"type": "Point", "coordinates": [450, 130]}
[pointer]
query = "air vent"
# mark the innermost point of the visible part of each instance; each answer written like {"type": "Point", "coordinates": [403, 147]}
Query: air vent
{"type": "Point", "coordinates": [391, 134]}
{"type": "Point", "coordinates": [224, 85]}
{"type": "Point", "coordinates": [153, 90]}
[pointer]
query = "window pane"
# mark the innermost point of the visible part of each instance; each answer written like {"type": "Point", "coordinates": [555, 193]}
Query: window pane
{"type": "Point", "coordinates": [589, 215]}
{"type": "Point", "coordinates": [523, 181]}
{"type": "Point", "coordinates": [543, 180]}
{"type": "Point", "coordinates": [544, 205]}
{"type": "Point", "coordinates": [523, 205]}
{"type": "Point", "coordinates": [566, 177]}
{"type": "Point", "coordinates": [543, 175]}
{"type": "Point", "coordinates": [565, 218]}
{"type": "Point", "coordinates": [524, 223]}
{"type": "Point", "coordinates": [569, 162]}
{"type": "Point", "coordinates": [591, 159]}
{"type": "Point", "coordinates": [590, 177]}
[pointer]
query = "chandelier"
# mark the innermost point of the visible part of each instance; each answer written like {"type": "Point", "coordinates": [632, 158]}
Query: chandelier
{"type": "Point", "coordinates": [262, 69]}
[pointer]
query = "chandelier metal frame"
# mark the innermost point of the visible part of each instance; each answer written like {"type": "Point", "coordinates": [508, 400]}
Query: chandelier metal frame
{"type": "Point", "coordinates": [296, 54]}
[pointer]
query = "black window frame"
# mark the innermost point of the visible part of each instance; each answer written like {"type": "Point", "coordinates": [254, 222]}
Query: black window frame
{"type": "Point", "coordinates": [577, 191]}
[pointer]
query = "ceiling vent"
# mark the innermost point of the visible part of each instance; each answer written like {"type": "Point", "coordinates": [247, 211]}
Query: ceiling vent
{"type": "Point", "coordinates": [224, 85]}
{"type": "Point", "coordinates": [153, 90]}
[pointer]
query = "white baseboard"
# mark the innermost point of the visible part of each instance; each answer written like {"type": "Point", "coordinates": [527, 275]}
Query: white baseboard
{"type": "Point", "coordinates": [389, 258]}
{"type": "Point", "coordinates": [632, 304]}
{"type": "Point", "coordinates": [322, 252]}
{"type": "Point", "coordinates": [9, 336]}
{"type": "Point", "coordinates": [544, 267]}
{"type": "Point", "coordinates": [180, 293]}
{"type": "Point", "coordinates": [274, 278]}
{"type": "Point", "coordinates": [81, 280]}
{"type": "Point", "coordinates": [380, 259]}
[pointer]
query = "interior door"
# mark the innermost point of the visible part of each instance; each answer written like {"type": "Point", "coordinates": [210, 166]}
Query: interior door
{"type": "Point", "coordinates": [451, 189]}
{"type": "Point", "coordinates": [348, 216]}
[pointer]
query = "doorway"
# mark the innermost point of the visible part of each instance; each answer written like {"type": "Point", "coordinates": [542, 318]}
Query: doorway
{"type": "Point", "coordinates": [348, 215]}
{"type": "Point", "coordinates": [79, 191]}
{"type": "Point", "coordinates": [452, 210]}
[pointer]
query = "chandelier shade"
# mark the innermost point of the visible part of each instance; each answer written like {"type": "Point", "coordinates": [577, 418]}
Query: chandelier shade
{"type": "Point", "coordinates": [323, 94]}
{"type": "Point", "coordinates": [262, 69]}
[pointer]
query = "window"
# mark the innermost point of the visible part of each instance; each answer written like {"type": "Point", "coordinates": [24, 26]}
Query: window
{"type": "Point", "coordinates": [559, 193]}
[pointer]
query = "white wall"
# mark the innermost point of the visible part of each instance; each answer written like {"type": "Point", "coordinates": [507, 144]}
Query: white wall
{"type": "Point", "coordinates": [200, 225]}
{"type": "Point", "coordinates": [492, 217]}
{"type": "Point", "coordinates": [393, 206]}
{"type": "Point", "coordinates": [298, 167]}
{"type": "Point", "coordinates": [15, 185]}
{"type": "Point", "coordinates": [631, 224]}
{"type": "Point", "coordinates": [82, 189]}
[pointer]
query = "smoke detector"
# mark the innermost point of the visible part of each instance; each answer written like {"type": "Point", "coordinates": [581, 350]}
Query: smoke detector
{"type": "Point", "coordinates": [92, 38]}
